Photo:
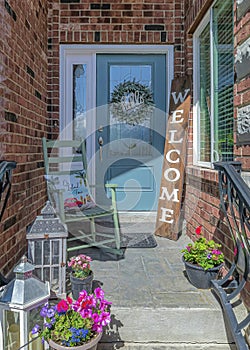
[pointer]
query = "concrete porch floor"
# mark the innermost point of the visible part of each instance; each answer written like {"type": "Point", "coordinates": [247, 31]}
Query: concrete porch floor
{"type": "Point", "coordinates": [153, 304]}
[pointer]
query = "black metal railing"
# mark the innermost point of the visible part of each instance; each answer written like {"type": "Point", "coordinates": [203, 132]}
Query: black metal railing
{"type": "Point", "coordinates": [5, 183]}
{"type": "Point", "coordinates": [235, 206]}
{"type": "Point", "coordinates": [5, 187]}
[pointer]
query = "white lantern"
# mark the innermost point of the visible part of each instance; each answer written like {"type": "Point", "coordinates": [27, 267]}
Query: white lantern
{"type": "Point", "coordinates": [20, 302]}
{"type": "Point", "coordinates": [47, 249]}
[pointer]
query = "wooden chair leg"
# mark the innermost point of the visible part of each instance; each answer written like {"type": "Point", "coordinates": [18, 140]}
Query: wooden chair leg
{"type": "Point", "coordinates": [92, 229]}
{"type": "Point", "coordinates": [117, 231]}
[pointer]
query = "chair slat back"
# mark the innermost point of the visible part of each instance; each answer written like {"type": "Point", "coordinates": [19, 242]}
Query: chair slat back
{"type": "Point", "coordinates": [64, 157]}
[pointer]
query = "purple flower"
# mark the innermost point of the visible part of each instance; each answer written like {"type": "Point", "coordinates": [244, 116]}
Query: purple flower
{"type": "Point", "coordinates": [209, 256]}
{"type": "Point", "coordinates": [48, 324]}
{"type": "Point", "coordinates": [53, 320]}
{"type": "Point", "coordinates": [51, 312]}
{"type": "Point", "coordinates": [35, 329]}
{"type": "Point", "coordinates": [44, 310]}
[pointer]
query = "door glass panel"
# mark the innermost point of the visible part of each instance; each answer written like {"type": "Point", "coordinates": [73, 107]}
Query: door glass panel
{"type": "Point", "coordinates": [129, 115]}
{"type": "Point", "coordinates": [79, 100]}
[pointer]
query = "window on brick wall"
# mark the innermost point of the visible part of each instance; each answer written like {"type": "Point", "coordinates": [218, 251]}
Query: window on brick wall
{"type": "Point", "coordinates": [213, 86]}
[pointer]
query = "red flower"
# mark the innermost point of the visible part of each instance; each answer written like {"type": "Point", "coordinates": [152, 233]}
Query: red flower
{"type": "Point", "coordinates": [235, 251]}
{"type": "Point", "coordinates": [198, 230]}
{"type": "Point", "coordinates": [69, 300]}
{"type": "Point", "coordinates": [62, 306]}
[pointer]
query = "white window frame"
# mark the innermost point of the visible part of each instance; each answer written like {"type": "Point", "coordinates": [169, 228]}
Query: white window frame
{"type": "Point", "coordinates": [214, 156]}
{"type": "Point", "coordinates": [196, 86]}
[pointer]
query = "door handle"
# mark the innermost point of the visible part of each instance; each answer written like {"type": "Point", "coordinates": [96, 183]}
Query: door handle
{"type": "Point", "coordinates": [100, 141]}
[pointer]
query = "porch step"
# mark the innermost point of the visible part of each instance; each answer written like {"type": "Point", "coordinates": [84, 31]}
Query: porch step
{"type": "Point", "coordinates": [167, 328]}
{"type": "Point", "coordinates": [138, 217]}
{"type": "Point", "coordinates": [164, 346]}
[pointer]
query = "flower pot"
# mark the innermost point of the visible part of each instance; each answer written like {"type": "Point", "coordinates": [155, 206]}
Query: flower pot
{"type": "Point", "coordinates": [199, 277]}
{"type": "Point", "coordinates": [78, 284]}
{"type": "Point", "coordinates": [90, 345]}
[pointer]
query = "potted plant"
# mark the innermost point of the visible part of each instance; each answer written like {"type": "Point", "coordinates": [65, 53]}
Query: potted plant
{"type": "Point", "coordinates": [75, 325]}
{"type": "Point", "coordinates": [81, 275]}
{"type": "Point", "coordinates": [202, 259]}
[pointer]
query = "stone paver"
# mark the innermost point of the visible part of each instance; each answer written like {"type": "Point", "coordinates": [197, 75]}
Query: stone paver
{"type": "Point", "coordinates": [154, 305]}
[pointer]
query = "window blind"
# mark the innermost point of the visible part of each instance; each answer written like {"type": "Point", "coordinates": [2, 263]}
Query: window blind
{"type": "Point", "coordinates": [205, 97]}
{"type": "Point", "coordinates": [223, 75]}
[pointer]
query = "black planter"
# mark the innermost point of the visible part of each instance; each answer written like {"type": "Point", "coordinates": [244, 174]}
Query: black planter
{"type": "Point", "coordinates": [199, 277]}
{"type": "Point", "coordinates": [78, 284]}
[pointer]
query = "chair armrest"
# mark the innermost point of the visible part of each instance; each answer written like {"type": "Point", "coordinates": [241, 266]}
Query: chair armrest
{"type": "Point", "coordinates": [111, 185]}
{"type": "Point", "coordinates": [112, 188]}
{"type": "Point", "coordinates": [106, 185]}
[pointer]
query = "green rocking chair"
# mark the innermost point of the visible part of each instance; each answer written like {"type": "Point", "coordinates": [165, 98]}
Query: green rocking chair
{"type": "Point", "coordinates": [69, 193]}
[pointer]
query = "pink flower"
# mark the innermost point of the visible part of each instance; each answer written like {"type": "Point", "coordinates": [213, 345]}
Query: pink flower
{"type": "Point", "coordinates": [83, 294]}
{"type": "Point", "coordinates": [216, 252]}
{"type": "Point", "coordinates": [97, 328]}
{"type": "Point", "coordinates": [96, 318]}
{"type": "Point", "coordinates": [105, 318]}
{"type": "Point", "coordinates": [99, 293]}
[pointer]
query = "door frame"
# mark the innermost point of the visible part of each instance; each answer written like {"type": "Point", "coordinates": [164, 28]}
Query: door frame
{"type": "Point", "coordinates": [80, 54]}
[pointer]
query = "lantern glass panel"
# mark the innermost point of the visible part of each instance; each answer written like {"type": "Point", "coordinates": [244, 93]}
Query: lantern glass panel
{"type": "Point", "coordinates": [54, 278]}
{"type": "Point", "coordinates": [46, 253]}
{"type": "Point", "coordinates": [46, 274]}
{"type": "Point", "coordinates": [34, 317]}
{"type": "Point", "coordinates": [12, 330]}
{"type": "Point", "coordinates": [38, 253]}
{"type": "Point", "coordinates": [38, 273]}
{"type": "Point", "coordinates": [55, 252]}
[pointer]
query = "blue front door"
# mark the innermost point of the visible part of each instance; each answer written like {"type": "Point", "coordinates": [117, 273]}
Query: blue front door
{"type": "Point", "coordinates": [131, 124]}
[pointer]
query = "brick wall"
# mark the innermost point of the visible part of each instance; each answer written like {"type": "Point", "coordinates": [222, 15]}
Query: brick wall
{"type": "Point", "coordinates": [201, 194]}
{"type": "Point", "coordinates": [207, 179]}
{"type": "Point", "coordinates": [242, 99]}
{"type": "Point", "coordinates": [110, 22]}
{"type": "Point", "coordinates": [242, 86]}
{"type": "Point", "coordinates": [23, 79]}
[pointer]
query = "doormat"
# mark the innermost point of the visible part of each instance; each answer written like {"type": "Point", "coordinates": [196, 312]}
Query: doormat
{"type": "Point", "coordinates": [138, 240]}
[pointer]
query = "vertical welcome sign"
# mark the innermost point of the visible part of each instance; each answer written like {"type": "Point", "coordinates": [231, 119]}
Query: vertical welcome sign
{"type": "Point", "coordinates": [171, 190]}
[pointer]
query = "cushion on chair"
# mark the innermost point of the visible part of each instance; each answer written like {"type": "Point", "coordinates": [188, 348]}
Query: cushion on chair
{"type": "Point", "coordinates": [75, 191]}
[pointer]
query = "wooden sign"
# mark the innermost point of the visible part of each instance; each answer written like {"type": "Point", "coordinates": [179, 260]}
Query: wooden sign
{"type": "Point", "coordinates": [170, 197]}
